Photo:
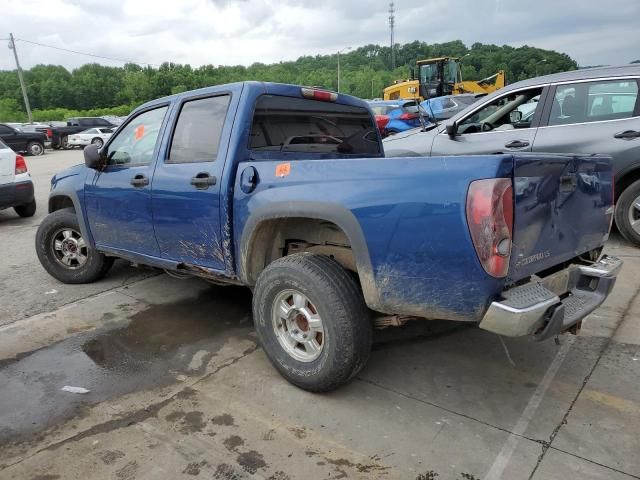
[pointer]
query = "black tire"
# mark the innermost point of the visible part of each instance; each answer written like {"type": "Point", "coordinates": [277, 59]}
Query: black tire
{"type": "Point", "coordinates": [96, 265]}
{"type": "Point", "coordinates": [623, 207]}
{"type": "Point", "coordinates": [97, 142]}
{"type": "Point", "coordinates": [26, 210]}
{"type": "Point", "coordinates": [64, 142]}
{"type": "Point", "coordinates": [35, 148]}
{"type": "Point", "coordinates": [334, 293]}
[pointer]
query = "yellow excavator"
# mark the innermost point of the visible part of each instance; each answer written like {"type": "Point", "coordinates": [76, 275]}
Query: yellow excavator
{"type": "Point", "coordinates": [441, 76]}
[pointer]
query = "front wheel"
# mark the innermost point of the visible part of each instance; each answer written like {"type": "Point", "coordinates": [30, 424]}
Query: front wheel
{"type": "Point", "coordinates": [628, 213]}
{"type": "Point", "coordinates": [64, 253]}
{"type": "Point", "coordinates": [312, 321]}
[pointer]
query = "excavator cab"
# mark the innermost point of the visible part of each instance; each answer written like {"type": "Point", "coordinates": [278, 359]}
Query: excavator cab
{"type": "Point", "coordinates": [438, 76]}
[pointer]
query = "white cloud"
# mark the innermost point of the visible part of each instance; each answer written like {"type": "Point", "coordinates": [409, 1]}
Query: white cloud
{"type": "Point", "coordinates": [230, 32]}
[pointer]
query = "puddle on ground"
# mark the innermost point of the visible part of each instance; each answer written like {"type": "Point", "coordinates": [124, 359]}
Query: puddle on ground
{"type": "Point", "coordinates": [155, 346]}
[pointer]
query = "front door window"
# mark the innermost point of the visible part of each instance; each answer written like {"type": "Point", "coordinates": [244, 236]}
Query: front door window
{"type": "Point", "coordinates": [512, 111]}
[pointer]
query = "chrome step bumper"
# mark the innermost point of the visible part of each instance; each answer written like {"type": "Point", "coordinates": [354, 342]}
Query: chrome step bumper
{"type": "Point", "coordinates": [551, 305]}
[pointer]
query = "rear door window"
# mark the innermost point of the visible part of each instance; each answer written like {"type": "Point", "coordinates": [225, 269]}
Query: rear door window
{"type": "Point", "coordinates": [198, 130]}
{"type": "Point", "coordinates": [594, 102]}
{"type": "Point", "coordinates": [289, 124]}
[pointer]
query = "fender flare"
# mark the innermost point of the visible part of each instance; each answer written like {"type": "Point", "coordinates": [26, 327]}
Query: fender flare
{"type": "Point", "coordinates": [77, 206]}
{"type": "Point", "coordinates": [336, 214]}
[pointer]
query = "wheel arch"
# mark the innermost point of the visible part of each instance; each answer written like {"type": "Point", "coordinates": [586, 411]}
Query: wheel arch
{"type": "Point", "coordinates": [260, 233]}
{"type": "Point", "coordinates": [67, 200]}
{"type": "Point", "coordinates": [626, 178]}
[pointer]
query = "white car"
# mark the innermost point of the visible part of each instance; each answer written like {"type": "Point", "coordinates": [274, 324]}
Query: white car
{"type": "Point", "coordinates": [95, 136]}
{"type": "Point", "coordinates": [16, 187]}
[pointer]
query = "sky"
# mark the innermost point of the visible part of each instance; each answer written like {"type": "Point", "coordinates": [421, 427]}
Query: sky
{"type": "Point", "coordinates": [232, 32]}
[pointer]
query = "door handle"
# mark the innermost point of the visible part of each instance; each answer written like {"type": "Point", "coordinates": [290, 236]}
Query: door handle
{"type": "Point", "coordinates": [517, 144]}
{"type": "Point", "coordinates": [627, 134]}
{"type": "Point", "coordinates": [203, 180]}
{"type": "Point", "coordinates": [139, 181]}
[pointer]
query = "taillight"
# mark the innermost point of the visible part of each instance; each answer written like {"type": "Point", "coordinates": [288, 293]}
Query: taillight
{"type": "Point", "coordinates": [21, 165]}
{"type": "Point", "coordinates": [322, 95]}
{"type": "Point", "coordinates": [408, 116]}
{"type": "Point", "coordinates": [490, 220]}
{"type": "Point", "coordinates": [382, 121]}
{"type": "Point", "coordinates": [49, 133]}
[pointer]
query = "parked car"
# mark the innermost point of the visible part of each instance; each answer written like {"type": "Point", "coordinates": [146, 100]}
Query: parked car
{"type": "Point", "coordinates": [60, 138]}
{"type": "Point", "coordinates": [198, 183]}
{"type": "Point", "coordinates": [587, 111]}
{"type": "Point", "coordinates": [442, 108]}
{"type": "Point", "coordinates": [95, 136]}
{"type": "Point", "coordinates": [19, 141]}
{"type": "Point", "coordinates": [395, 116]}
{"type": "Point", "coordinates": [16, 187]}
{"type": "Point", "coordinates": [38, 128]}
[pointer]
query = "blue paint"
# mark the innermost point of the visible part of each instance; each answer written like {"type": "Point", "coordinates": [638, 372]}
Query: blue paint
{"type": "Point", "coordinates": [405, 217]}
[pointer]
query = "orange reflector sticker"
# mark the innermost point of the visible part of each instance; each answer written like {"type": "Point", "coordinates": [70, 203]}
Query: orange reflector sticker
{"type": "Point", "coordinates": [139, 132]}
{"type": "Point", "coordinates": [283, 169]}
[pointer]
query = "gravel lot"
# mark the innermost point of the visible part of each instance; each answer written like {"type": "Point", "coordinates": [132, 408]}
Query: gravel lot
{"type": "Point", "coordinates": [179, 388]}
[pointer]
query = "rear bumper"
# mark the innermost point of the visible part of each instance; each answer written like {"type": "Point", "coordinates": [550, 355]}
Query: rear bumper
{"type": "Point", "coordinates": [553, 304]}
{"type": "Point", "coordinates": [14, 194]}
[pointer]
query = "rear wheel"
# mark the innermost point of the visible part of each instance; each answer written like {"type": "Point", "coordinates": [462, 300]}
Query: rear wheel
{"type": "Point", "coordinates": [64, 253]}
{"type": "Point", "coordinates": [312, 321]}
{"type": "Point", "coordinates": [35, 148]}
{"type": "Point", "coordinates": [64, 142]}
{"type": "Point", "coordinates": [26, 210]}
{"type": "Point", "coordinates": [628, 213]}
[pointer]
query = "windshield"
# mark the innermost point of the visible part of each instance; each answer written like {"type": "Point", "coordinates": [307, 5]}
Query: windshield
{"type": "Point", "coordinates": [428, 73]}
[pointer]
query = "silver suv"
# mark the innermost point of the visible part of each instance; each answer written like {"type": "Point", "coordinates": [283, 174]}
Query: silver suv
{"type": "Point", "coordinates": [587, 111]}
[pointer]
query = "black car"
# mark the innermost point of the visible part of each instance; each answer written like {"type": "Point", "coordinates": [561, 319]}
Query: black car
{"type": "Point", "coordinates": [19, 141]}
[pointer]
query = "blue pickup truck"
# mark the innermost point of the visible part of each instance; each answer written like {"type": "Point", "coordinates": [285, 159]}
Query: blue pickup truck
{"type": "Point", "coordinates": [286, 190]}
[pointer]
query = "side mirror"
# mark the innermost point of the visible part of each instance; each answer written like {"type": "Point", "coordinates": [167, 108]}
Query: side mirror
{"type": "Point", "coordinates": [93, 157]}
{"type": "Point", "coordinates": [515, 116]}
{"type": "Point", "coordinates": [452, 129]}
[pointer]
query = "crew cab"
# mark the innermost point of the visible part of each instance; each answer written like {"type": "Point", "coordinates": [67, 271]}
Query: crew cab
{"type": "Point", "coordinates": [286, 190]}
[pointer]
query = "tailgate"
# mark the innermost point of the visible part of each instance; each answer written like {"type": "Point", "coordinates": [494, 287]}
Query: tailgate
{"type": "Point", "coordinates": [563, 208]}
{"type": "Point", "coordinates": [7, 165]}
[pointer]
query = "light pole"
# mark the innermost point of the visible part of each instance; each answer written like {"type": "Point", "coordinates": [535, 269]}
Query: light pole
{"type": "Point", "coordinates": [25, 97]}
{"type": "Point", "coordinates": [544, 60]}
{"type": "Point", "coordinates": [339, 52]}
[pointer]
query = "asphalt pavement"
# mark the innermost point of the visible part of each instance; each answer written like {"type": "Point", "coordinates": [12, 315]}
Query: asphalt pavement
{"type": "Point", "coordinates": [178, 387]}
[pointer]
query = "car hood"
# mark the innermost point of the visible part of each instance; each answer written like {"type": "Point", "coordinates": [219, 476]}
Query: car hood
{"type": "Point", "coordinates": [412, 143]}
{"type": "Point", "coordinates": [74, 171]}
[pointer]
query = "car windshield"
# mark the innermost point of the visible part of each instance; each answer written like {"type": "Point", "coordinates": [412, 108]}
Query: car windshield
{"type": "Point", "coordinates": [383, 109]}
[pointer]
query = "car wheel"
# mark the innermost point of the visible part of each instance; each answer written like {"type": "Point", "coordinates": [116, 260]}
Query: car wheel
{"type": "Point", "coordinates": [26, 210]}
{"type": "Point", "coordinates": [64, 142]}
{"type": "Point", "coordinates": [35, 148]}
{"type": "Point", "coordinates": [628, 213]}
{"type": "Point", "coordinates": [63, 252]}
{"type": "Point", "coordinates": [312, 321]}
{"type": "Point", "coordinates": [97, 142]}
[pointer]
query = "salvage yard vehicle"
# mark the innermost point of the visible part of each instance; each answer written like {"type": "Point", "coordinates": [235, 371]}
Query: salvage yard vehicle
{"type": "Point", "coordinates": [95, 136]}
{"type": "Point", "coordinates": [20, 141]}
{"type": "Point", "coordinates": [587, 111]}
{"type": "Point", "coordinates": [60, 135]}
{"type": "Point", "coordinates": [16, 187]}
{"type": "Point", "coordinates": [395, 116]}
{"type": "Point", "coordinates": [333, 241]}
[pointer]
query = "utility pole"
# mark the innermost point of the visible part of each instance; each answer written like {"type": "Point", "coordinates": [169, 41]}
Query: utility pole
{"type": "Point", "coordinates": [392, 23]}
{"type": "Point", "coordinates": [12, 46]}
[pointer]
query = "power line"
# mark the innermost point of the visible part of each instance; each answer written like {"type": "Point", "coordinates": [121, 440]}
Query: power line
{"type": "Point", "coordinates": [84, 53]}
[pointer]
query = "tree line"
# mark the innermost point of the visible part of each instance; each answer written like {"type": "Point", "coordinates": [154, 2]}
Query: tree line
{"type": "Point", "coordinates": [56, 92]}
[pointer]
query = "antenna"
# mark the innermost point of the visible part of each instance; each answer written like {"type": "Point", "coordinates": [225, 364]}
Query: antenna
{"type": "Point", "coordinates": [392, 23]}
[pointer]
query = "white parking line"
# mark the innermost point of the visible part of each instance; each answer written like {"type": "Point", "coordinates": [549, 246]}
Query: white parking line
{"type": "Point", "coordinates": [502, 460]}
